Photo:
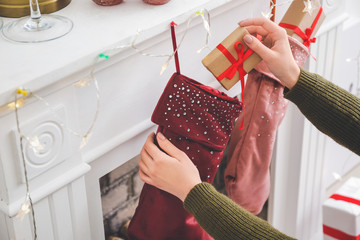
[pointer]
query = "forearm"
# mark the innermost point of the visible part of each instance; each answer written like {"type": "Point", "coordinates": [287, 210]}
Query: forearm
{"type": "Point", "coordinates": [331, 109]}
{"type": "Point", "coordinates": [224, 219]}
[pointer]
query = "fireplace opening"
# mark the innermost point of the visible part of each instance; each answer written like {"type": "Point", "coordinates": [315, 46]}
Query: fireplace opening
{"type": "Point", "coordinates": [120, 192]}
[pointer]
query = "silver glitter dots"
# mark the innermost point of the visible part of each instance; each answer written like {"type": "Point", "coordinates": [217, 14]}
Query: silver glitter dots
{"type": "Point", "coordinates": [259, 134]}
{"type": "Point", "coordinates": [262, 117]}
{"type": "Point", "coordinates": [205, 132]}
{"type": "Point", "coordinates": [211, 152]}
{"type": "Point", "coordinates": [188, 130]}
{"type": "Point", "coordinates": [175, 85]}
{"type": "Point", "coordinates": [178, 115]}
{"type": "Point", "coordinates": [187, 148]}
{"type": "Point", "coordinates": [169, 108]}
{"type": "Point", "coordinates": [170, 96]}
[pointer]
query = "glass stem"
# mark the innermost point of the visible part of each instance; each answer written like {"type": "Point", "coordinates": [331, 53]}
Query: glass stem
{"type": "Point", "coordinates": [35, 13]}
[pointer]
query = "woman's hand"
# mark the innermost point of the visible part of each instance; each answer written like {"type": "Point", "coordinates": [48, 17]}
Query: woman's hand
{"type": "Point", "coordinates": [170, 170]}
{"type": "Point", "coordinates": [274, 49]}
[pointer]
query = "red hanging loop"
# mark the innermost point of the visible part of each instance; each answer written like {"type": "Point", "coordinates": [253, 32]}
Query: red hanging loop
{"type": "Point", "coordinates": [173, 37]}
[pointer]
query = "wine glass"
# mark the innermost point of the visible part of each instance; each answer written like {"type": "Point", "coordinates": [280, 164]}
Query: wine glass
{"type": "Point", "coordinates": [37, 27]}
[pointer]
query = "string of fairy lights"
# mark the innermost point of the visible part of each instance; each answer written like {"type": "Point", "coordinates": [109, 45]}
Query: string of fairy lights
{"type": "Point", "coordinates": [33, 141]}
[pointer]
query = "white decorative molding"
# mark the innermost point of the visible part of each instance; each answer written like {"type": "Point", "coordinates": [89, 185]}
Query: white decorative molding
{"type": "Point", "coordinates": [46, 189]}
{"type": "Point", "coordinates": [51, 137]}
{"type": "Point", "coordinates": [47, 127]}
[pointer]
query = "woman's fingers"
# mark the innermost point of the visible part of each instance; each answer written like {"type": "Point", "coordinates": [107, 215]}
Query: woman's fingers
{"type": "Point", "coordinates": [263, 51]}
{"type": "Point", "coordinates": [152, 150]}
{"type": "Point", "coordinates": [145, 161]}
{"type": "Point", "coordinates": [145, 178]}
{"type": "Point", "coordinates": [168, 147]}
{"type": "Point", "coordinates": [260, 21]}
{"type": "Point", "coordinates": [257, 30]}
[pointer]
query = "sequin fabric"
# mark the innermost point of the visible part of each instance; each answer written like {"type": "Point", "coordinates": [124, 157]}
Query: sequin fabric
{"type": "Point", "coordinates": [247, 177]}
{"type": "Point", "coordinates": [198, 120]}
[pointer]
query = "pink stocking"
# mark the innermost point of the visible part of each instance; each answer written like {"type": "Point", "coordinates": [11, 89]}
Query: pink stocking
{"type": "Point", "coordinates": [247, 176]}
{"type": "Point", "coordinates": [198, 120]}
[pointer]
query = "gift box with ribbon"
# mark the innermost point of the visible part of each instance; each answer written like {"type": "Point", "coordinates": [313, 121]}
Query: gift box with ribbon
{"type": "Point", "coordinates": [231, 60]}
{"type": "Point", "coordinates": [341, 212]}
{"type": "Point", "coordinates": [302, 20]}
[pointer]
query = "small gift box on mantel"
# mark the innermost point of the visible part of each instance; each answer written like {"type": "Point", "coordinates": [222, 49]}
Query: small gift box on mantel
{"type": "Point", "coordinates": [341, 212]}
{"type": "Point", "coordinates": [303, 19]}
{"type": "Point", "coordinates": [231, 60]}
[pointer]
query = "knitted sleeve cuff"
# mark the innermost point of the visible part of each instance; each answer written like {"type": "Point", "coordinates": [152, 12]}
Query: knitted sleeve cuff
{"type": "Point", "coordinates": [303, 89]}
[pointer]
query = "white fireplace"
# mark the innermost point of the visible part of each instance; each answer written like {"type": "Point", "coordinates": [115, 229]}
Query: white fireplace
{"type": "Point", "coordinates": [64, 180]}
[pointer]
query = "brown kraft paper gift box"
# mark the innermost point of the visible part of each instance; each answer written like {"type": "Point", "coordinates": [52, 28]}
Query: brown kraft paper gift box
{"type": "Point", "coordinates": [296, 16]}
{"type": "Point", "coordinates": [216, 62]}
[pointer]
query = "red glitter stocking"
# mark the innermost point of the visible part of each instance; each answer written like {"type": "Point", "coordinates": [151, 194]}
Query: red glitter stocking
{"type": "Point", "coordinates": [247, 176]}
{"type": "Point", "coordinates": [198, 120]}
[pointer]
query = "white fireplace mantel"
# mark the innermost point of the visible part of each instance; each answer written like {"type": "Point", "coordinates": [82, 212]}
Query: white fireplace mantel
{"type": "Point", "coordinates": [64, 180]}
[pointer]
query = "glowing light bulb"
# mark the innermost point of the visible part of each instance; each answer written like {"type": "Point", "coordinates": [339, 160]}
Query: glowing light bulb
{"type": "Point", "coordinates": [24, 209]}
{"type": "Point", "coordinates": [308, 7]}
{"type": "Point", "coordinates": [85, 141]}
{"type": "Point", "coordinates": [82, 83]}
{"type": "Point", "coordinates": [19, 104]}
{"type": "Point", "coordinates": [35, 144]}
{"type": "Point", "coordinates": [164, 67]}
{"type": "Point", "coordinates": [267, 15]}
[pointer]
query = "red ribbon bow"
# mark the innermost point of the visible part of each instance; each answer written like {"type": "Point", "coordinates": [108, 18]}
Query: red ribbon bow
{"type": "Point", "coordinates": [236, 65]}
{"type": "Point", "coordinates": [306, 37]}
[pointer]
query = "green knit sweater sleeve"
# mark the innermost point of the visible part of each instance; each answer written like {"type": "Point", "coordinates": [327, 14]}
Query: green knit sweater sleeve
{"type": "Point", "coordinates": [333, 110]}
{"type": "Point", "coordinates": [225, 220]}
